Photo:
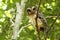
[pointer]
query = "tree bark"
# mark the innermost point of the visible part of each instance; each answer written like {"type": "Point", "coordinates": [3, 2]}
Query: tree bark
{"type": "Point", "coordinates": [19, 16]}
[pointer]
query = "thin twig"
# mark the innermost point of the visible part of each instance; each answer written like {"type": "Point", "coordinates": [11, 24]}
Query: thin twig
{"type": "Point", "coordinates": [52, 25]}
{"type": "Point", "coordinates": [22, 28]}
{"type": "Point", "coordinates": [37, 29]}
{"type": "Point", "coordinates": [11, 20]}
{"type": "Point", "coordinates": [46, 35]}
{"type": "Point", "coordinates": [47, 17]}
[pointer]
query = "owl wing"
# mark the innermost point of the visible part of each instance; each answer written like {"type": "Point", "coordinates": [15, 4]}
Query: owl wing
{"type": "Point", "coordinates": [42, 18]}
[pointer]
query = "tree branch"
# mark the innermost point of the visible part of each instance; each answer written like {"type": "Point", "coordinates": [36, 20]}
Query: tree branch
{"type": "Point", "coordinates": [52, 25]}
{"type": "Point", "coordinates": [37, 28]}
{"type": "Point", "coordinates": [19, 16]}
{"type": "Point", "coordinates": [47, 17]}
{"type": "Point", "coordinates": [11, 20]}
{"type": "Point", "coordinates": [22, 28]}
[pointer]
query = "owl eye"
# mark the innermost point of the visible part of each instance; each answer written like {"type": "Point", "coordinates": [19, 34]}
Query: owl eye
{"type": "Point", "coordinates": [34, 8]}
{"type": "Point", "coordinates": [28, 10]}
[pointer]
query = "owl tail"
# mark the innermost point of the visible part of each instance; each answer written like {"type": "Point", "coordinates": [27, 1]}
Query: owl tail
{"type": "Point", "coordinates": [42, 29]}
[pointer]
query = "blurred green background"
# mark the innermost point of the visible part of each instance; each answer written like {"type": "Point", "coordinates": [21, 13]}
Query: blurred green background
{"type": "Point", "coordinates": [8, 11]}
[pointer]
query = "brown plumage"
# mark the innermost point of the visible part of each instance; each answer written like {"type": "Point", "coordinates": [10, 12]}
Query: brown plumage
{"type": "Point", "coordinates": [32, 11]}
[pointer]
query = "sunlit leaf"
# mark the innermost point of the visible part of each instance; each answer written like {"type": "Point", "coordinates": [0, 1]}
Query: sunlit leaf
{"type": "Point", "coordinates": [53, 3]}
{"type": "Point", "coordinates": [2, 19]}
{"type": "Point", "coordinates": [4, 7]}
{"type": "Point", "coordinates": [31, 27]}
{"type": "Point", "coordinates": [48, 39]}
{"type": "Point", "coordinates": [35, 32]}
{"type": "Point", "coordinates": [8, 14]}
{"type": "Point", "coordinates": [11, 1]}
{"type": "Point", "coordinates": [57, 21]}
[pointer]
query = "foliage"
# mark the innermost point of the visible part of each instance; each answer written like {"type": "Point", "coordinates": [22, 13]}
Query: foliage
{"type": "Point", "coordinates": [8, 11]}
